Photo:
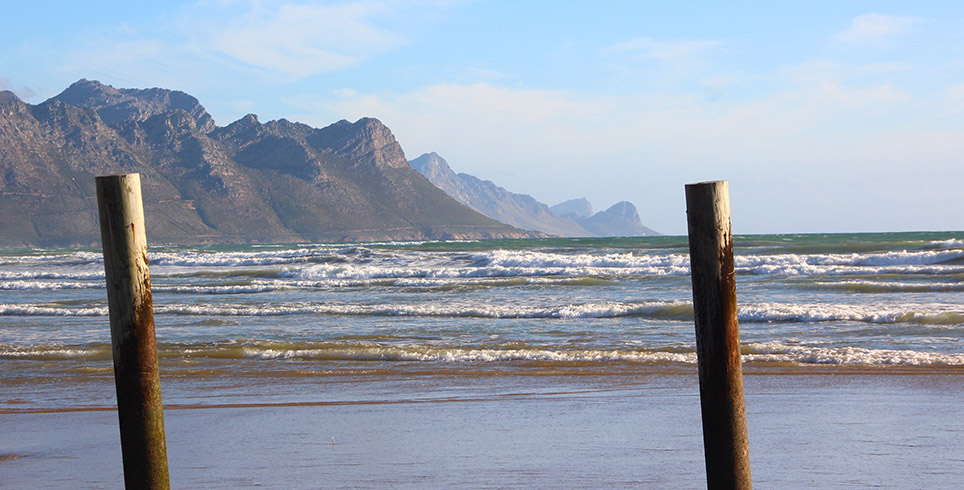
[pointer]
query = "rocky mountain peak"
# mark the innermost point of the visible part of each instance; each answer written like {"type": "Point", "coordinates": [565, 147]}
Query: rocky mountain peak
{"type": "Point", "coordinates": [11, 104]}
{"type": "Point", "coordinates": [433, 167]}
{"type": "Point", "coordinates": [248, 120]}
{"type": "Point", "coordinates": [366, 140]}
{"type": "Point", "coordinates": [117, 106]}
{"type": "Point", "coordinates": [246, 129]}
{"type": "Point", "coordinates": [86, 92]}
{"type": "Point", "coordinates": [287, 129]}
{"type": "Point", "coordinates": [367, 131]}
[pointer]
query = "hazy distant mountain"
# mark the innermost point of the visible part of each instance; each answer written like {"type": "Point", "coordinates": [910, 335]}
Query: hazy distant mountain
{"type": "Point", "coordinates": [246, 182]}
{"type": "Point", "coordinates": [621, 219]}
{"type": "Point", "coordinates": [519, 210]}
{"type": "Point", "coordinates": [572, 218]}
{"type": "Point", "coordinates": [577, 208]}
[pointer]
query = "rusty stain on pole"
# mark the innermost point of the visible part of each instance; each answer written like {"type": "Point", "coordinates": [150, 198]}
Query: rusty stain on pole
{"type": "Point", "coordinates": [725, 442]}
{"type": "Point", "coordinates": [136, 375]}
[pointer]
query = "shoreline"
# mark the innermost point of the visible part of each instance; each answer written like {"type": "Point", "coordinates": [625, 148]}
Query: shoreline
{"type": "Point", "coordinates": [810, 431]}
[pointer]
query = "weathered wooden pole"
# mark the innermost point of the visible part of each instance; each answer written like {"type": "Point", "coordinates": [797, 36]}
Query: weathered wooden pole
{"type": "Point", "coordinates": [132, 332]}
{"type": "Point", "coordinates": [717, 336]}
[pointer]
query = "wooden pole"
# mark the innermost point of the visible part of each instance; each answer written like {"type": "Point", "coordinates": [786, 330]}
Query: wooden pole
{"type": "Point", "coordinates": [717, 336]}
{"type": "Point", "coordinates": [132, 332]}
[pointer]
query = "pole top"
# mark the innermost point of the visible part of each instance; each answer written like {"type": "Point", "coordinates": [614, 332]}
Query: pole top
{"type": "Point", "coordinates": [707, 182]}
{"type": "Point", "coordinates": [116, 175]}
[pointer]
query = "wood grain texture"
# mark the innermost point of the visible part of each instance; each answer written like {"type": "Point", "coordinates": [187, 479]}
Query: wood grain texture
{"type": "Point", "coordinates": [717, 336]}
{"type": "Point", "coordinates": [139, 407]}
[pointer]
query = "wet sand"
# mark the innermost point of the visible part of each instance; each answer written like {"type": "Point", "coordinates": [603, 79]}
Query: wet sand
{"type": "Point", "coordinates": [844, 430]}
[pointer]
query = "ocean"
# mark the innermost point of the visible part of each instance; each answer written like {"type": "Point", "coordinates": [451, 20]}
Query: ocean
{"type": "Point", "coordinates": [548, 363]}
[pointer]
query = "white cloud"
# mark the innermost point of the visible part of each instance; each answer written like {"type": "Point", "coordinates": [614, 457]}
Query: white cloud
{"type": "Point", "coordinates": [668, 51]}
{"type": "Point", "coordinates": [840, 83]}
{"type": "Point", "coordinates": [668, 65]}
{"type": "Point", "coordinates": [873, 28]}
{"type": "Point", "coordinates": [278, 41]}
{"type": "Point", "coordinates": [21, 92]}
{"type": "Point", "coordinates": [297, 41]}
{"type": "Point", "coordinates": [557, 145]}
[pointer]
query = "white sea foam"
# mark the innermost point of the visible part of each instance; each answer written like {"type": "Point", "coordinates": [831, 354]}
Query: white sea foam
{"type": "Point", "coordinates": [261, 286]}
{"type": "Point", "coordinates": [48, 285]}
{"type": "Point", "coordinates": [886, 286]}
{"type": "Point", "coordinates": [752, 353]}
{"type": "Point", "coordinates": [937, 314]}
{"type": "Point", "coordinates": [776, 352]}
{"type": "Point", "coordinates": [224, 289]}
{"type": "Point", "coordinates": [47, 257]}
{"type": "Point", "coordinates": [419, 353]}
{"type": "Point", "coordinates": [925, 314]}
{"type": "Point", "coordinates": [771, 352]}
{"type": "Point", "coordinates": [49, 310]}
{"type": "Point", "coordinates": [361, 264]}
{"type": "Point", "coordinates": [368, 272]}
{"type": "Point", "coordinates": [587, 310]}
{"type": "Point", "coordinates": [667, 310]}
{"type": "Point", "coordinates": [11, 352]}
{"type": "Point", "coordinates": [755, 353]}
{"type": "Point", "coordinates": [531, 259]}
{"type": "Point", "coordinates": [236, 259]}
{"type": "Point", "coordinates": [377, 244]}
{"type": "Point", "coordinates": [949, 243]}
{"type": "Point", "coordinates": [37, 275]}
{"type": "Point", "coordinates": [512, 263]}
{"type": "Point", "coordinates": [841, 264]}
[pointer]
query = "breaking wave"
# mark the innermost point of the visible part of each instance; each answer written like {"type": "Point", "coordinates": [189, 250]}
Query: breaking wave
{"type": "Point", "coordinates": [655, 310]}
{"type": "Point", "coordinates": [752, 354]}
{"type": "Point", "coordinates": [779, 353]}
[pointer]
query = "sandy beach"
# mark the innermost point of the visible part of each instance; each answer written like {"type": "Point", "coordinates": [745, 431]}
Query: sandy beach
{"type": "Point", "coordinates": [828, 430]}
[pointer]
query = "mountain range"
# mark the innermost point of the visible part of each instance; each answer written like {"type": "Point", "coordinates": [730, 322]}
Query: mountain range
{"type": "Point", "coordinates": [572, 218]}
{"type": "Point", "coordinates": [246, 182]}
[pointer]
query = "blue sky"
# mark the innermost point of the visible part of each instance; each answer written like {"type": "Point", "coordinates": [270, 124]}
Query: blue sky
{"type": "Point", "coordinates": [824, 116]}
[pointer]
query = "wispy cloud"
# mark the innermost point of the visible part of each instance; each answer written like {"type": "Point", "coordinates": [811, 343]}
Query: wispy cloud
{"type": "Point", "coordinates": [22, 91]}
{"type": "Point", "coordinates": [674, 52]}
{"type": "Point", "coordinates": [875, 28]}
{"type": "Point", "coordinates": [297, 40]}
{"type": "Point", "coordinates": [668, 66]}
{"type": "Point", "coordinates": [561, 143]}
{"type": "Point", "coordinates": [500, 132]}
{"type": "Point", "coordinates": [277, 40]}
{"type": "Point", "coordinates": [853, 85]}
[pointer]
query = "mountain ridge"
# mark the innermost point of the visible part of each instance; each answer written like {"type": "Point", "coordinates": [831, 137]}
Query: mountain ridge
{"type": "Point", "coordinates": [572, 218]}
{"type": "Point", "coordinates": [519, 210]}
{"type": "Point", "coordinates": [246, 182]}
